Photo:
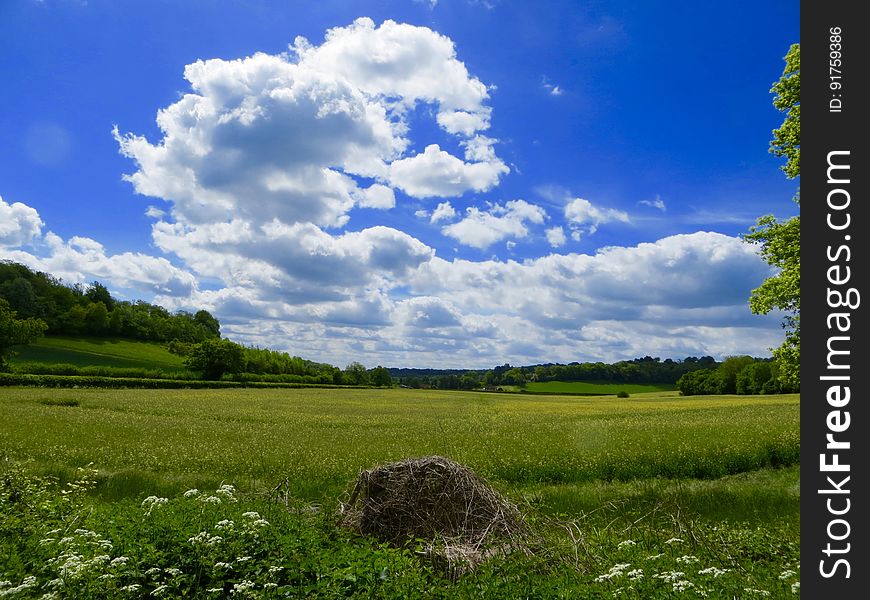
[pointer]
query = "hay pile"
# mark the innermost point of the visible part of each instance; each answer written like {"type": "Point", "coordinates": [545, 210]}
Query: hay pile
{"type": "Point", "coordinates": [461, 517]}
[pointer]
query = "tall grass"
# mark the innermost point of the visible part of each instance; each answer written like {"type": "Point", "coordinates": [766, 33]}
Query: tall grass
{"type": "Point", "coordinates": [321, 438]}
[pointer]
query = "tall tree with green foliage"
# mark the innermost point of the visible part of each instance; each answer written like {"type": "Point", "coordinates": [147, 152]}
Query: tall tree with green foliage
{"type": "Point", "coordinates": [780, 240]}
{"type": "Point", "coordinates": [215, 357]}
{"type": "Point", "coordinates": [15, 331]}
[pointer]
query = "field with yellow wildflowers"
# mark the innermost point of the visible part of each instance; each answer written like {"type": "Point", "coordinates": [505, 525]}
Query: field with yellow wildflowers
{"type": "Point", "coordinates": [171, 493]}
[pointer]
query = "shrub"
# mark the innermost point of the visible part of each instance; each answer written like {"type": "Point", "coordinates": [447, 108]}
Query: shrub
{"type": "Point", "coordinates": [622, 394]}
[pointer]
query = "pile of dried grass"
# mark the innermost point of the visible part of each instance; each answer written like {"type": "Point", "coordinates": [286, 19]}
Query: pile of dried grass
{"type": "Point", "coordinates": [462, 519]}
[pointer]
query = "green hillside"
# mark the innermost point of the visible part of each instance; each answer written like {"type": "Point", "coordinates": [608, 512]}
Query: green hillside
{"type": "Point", "coordinates": [106, 352]}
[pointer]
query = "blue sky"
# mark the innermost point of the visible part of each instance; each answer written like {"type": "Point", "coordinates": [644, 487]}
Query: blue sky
{"type": "Point", "coordinates": [459, 183]}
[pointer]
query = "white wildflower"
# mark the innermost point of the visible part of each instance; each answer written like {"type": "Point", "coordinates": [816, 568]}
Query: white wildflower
{"type": "Point", "coordinates": [191, 493]}
{"type": "Point", "coordinates": [242, 559]}
{"type": "Point", "coordinates": [786, 574]}
{"type": "Point", "coordinates": [227, 491]}
{"type": "Point", "coordinates": [683, 585]}
{"type": "Point", "coordinates": [223, 565]}
{"type": "Point", "coordinates": [153, 571]}
{"type": "Point", "coordinates": [270, 585]}
{"type": "Point", "coordinates": [173, 572]}
{"type": "Point", "coordinates": [260, 523]}
{"type": "Point", "coordinates": [625, 543]}
{"type": "Point", "coordinates": [152, 502]}
{"type": "Point", "coordinates": [615, 571]}
{"type": "Point", "coordinates": [796, 587]}
{"type": "Point", "coordinates": [199, 538]}
{"type": "Point", "coordinates": [212, 500]}
{"type": "Point", "coordinates": [243, 586]}
{"type": "Point", "coordinates": [687, 559]}
{"type": "Point", "coordinates": [225, 524]}
{"type": "Point", "coordinates": [251, 515]}
{"type": "Point", "coordinates": [117, 562]}
{"type": "Point", "coordinates": [29, 582]}
{"type": "Point", "coordinates": [133, 587]}
{"type": "Point", "coordinates": [158, 591]}
{"type": "Point", "coordinates": [714, 571]}
{"type": "Point", "coordinates": [635, 574]}
{"type": "Point", "coordinates": [756, 591]}
{"type": "Point", "coordinates": [273, 570]}
{"type": "Point", "coordinates": [670, 576]}
{"type": "Point", "coordinates": [654, 556]}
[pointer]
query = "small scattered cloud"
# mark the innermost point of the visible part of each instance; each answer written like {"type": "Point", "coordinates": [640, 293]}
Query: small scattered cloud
{"type": "Point", "coordinates": [443, 212]}
{"type": "Point", "coordinates": [155, 213]}
{"type": "Point", "coordinates": [657, 203]}
{"type": "Point", "coordinates": [482, 228]}
{"type": "Point", "coordinates": [552, 88]}
{"type": "Point", "coordinates": [585, 216]}
{"type": "Point", "coordinates": [556, 237]}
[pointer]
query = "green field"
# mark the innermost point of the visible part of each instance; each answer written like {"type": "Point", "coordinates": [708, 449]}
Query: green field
{"type": "Point", "coordinates": [628, 476]}
{"type": "Point", "coordinates": [591, 387]}
{"type": "Point", "coordinates": [108, 352]}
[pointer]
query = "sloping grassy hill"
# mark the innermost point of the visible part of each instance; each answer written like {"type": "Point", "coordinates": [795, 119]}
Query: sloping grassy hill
{"type": "Point", "coordinates": [108, 352]}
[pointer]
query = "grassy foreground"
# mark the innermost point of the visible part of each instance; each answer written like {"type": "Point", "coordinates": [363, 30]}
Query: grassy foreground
{"type": "Point", "coordinates": [646, 497]}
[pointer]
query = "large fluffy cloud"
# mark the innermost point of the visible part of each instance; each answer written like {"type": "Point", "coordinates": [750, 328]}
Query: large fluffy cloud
{"type": "Point", "coordinates": [288, 137]}
{"type": "Point", "coordinates": [19, 224]}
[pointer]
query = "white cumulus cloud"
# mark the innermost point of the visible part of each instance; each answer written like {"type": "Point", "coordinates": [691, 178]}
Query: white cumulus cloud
{"type": "Point", "coordinates": [556, 236]}
{"type": "Point", "coordinates": [443, 212]}
{"type": "Point", "coordinates": [19, 224]}
{"type": "Point", "coordinates": [480, 229]}
{"type": "Point", "coordinates": [581, 213]}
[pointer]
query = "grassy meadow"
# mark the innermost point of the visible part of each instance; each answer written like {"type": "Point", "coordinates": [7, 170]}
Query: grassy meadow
{"type": "Point", "coordinates": [640, 497]}
{"type": "Point", "coordinates": [593, 387]}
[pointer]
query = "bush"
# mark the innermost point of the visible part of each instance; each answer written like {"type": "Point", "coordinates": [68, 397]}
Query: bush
{"type": "Point", "coordinates": [622, 394]}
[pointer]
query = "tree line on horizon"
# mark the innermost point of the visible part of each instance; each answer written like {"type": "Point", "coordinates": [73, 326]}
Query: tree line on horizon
{"type": "Point", "coordinates": [33, 303]}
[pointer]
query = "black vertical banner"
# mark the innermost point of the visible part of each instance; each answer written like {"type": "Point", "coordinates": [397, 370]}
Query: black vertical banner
{"type": "Point", "coordinates": [835, 372]}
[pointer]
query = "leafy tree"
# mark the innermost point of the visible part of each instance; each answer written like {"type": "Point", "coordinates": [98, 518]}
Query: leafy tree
{"type": "Point", "coordinates": [214, 358]}
{"type": "Point", "coordinates": [380, 376]}
{"type": "Point", "coordinates": [729, 370]}
{"type": "Point", "coordinates": [97, 319]}
{"type": "Point", "coordinates": [753, 378]}
{"type": "Point", "coordinates": [701, 381]}
{"type": "Point", "coordinates": [15, 331]}
{"type": "Point", "coordinates": [787, 139]}
{"type": "Point", "coordinates": [21, 297]}
{"type": "Point", "coordinates": [779, 241]}
{"type": "Point", "coordinates": [208, 322]}
{"type": "Point", "coordinates": [355, 374]}
{"type": "Point", "coordinates": [98, 293]}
